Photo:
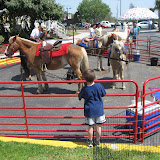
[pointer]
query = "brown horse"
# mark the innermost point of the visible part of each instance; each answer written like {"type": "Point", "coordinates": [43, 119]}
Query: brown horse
{"type": "Point", "coordinates": [77, 58]}
{"type": "Point", "coordinates": [103, 43]}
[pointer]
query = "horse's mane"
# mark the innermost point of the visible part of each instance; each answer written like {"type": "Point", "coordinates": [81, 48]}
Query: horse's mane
{"type": "Point", "coordinates": [27, 40]}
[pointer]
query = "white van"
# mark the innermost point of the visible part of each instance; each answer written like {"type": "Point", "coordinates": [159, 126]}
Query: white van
{"type": "Point", "coordinates": [105, 24]}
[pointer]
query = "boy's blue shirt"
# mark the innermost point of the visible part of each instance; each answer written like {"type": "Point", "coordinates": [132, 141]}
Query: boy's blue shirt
{"type": "Point", "coordinates": [93, 103]}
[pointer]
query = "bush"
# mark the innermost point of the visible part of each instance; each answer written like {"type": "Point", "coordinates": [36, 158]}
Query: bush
{"type": "Point", "coordinates": [1, 39]}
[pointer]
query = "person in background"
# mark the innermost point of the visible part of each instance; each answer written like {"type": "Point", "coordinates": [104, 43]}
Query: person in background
{"type": "Point", "coordinates": [92, 94]}
{"type": "Point", "coordinates": [92, 31]}
{"type": "Point", "coordinates": [150, 24]}
{"type": "Point", "coordinates": [98, 31]}
{"type": "Point", "coordinates": [115, 29]}
{"type": "Point", "coordinates": [122, 25]}
{"type": "Point", "coordinates": [36, 32]}
{"type": "Point", "coordinates": [43, 35]}
{"type": "Point", "coordinates": [136, 32]}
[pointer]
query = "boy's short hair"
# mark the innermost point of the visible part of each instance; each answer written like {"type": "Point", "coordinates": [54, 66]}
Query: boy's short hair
{"type": "Point", "coordinates": [89, 75]}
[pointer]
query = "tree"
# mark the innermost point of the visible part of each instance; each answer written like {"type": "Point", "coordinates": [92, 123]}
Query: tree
{"type": "Point", "coordinates": [35, 9]}
{"type": "Point", "coordinates": [131, 6]}
{"type": "Point", "coordinates": [32, 10]}
{"type": "Point", "coordinates": [93, 10]}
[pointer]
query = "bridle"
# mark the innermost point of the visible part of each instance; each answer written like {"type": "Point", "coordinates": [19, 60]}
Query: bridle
{"type": "Point", "coordinates": [11, 52]}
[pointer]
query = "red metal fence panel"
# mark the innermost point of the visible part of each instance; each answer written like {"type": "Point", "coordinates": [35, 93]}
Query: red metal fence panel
{"type": "Point", "coordinates": [27, 121]}
{"type": "Point", "coordinates": [151, 111]}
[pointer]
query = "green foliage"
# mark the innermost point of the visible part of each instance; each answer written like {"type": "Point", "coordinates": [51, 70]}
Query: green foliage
{"type": "Point", "coordinates": [1, 39]}
{"type": "Point", "coordinates": [23, 34]}
{"type": "Point", "coordinates": [93, 10]}
{"type": "Point", "coordinates": [35, 9]}
{"type": "Point", "coordinates": [158, 4]}
{"type": "Point", "coordinates": [14, 32]}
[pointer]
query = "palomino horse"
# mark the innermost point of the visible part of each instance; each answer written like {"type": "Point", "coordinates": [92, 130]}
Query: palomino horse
{"type": "Point", "coordinates": [103, 43]}
{"type": "Point", "coordinates": [77, 58]}
{"type": "Point", "coordinates": [117, 61]}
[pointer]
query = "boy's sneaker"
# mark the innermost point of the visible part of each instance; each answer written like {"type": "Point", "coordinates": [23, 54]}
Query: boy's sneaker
{"type": "Point", "coordinates": [97, 143]}
{"type": "Point", "coordinates": [90, 143]}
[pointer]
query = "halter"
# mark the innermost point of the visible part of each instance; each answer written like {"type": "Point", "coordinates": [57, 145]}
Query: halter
{"type": "Point", "coordinates": [12, 50]}
{"type": "Point", "coordinates": [119, 53]}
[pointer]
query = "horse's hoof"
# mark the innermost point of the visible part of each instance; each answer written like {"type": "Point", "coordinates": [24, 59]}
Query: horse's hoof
{"type": "Point", "coordinates": [39, 91]}
{"type": "Point", "coordinates": [113, 87]}
{"type": "Point", "coordinates": [77, 92]}
{"type": "Point", "coordinates": [124, 88]}
{"type": "Point", "coordinates": [29, 79]}
{"type": "Point", "coordinates": [102, 69]}
{"type": "Point", "coordinates": [46, 88]}
{"type": "Point", "coordinates": [98, 69]}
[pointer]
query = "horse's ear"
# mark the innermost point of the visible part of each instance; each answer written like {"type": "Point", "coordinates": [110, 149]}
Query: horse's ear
{"type": "Point", "coordinates": [14, 38]}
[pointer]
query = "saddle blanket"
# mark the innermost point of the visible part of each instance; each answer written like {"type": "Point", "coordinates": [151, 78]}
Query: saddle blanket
{"type": "Point", "coordinates": [87, 45]}
{"type": "Point", "coordinates": [61, 52]}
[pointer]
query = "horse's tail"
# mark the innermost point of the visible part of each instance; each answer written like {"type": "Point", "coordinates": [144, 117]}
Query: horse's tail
{"type": "Point", "coordinates": [84, 63]}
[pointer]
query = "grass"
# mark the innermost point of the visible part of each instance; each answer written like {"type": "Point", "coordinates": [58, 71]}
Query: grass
{"type": "Point", "coordinates": [26, 151]}
{"type": "Point", "coordinates": [70, 33]}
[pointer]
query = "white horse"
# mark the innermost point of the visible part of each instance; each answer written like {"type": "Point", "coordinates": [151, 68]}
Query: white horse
{"type": "Point", "coordinates": [117, 61]}
{"type": "Point", "coordinates": [121, 35]}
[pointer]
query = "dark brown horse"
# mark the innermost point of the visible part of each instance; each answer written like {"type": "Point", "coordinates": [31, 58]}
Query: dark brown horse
{"type": "Point", "coordinates": [77, 58]}
{"type": "Point", "coordinates": [103, 44]}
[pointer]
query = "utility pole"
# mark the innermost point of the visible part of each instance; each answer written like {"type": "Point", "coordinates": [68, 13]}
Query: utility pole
{"type": "Point", "coordinates": [120, 7]}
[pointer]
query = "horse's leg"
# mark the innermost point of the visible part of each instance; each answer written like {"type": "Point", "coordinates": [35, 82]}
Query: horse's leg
{"type": "Point", "coordinates": [24, 65]}
{"type": "Point", "coordinates": [37, 71]}
{"type": "Point", "coordinates": [80, 77]}
{"type": "Point", "coordinates": [98, 63]}
{"type": "Point", "coordinates": [101, 65]}
{"type": "Point", "coordinates": [114, 77]}
{"type": "Point", "coordinates": [122, 78]}
{"type": "Point", "coordinates": [44, 79]}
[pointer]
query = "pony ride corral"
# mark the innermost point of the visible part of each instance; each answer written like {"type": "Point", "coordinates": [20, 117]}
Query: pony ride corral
{"type": "Point", "coordinates": [76, 57]}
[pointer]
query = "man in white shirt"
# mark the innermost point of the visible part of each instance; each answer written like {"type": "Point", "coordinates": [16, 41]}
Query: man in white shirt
{"type": "Point", "coordinates": [35, 33]}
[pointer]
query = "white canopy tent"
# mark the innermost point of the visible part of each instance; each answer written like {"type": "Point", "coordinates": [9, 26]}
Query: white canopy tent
{"type": "Point", "coordinates": [139, 14]}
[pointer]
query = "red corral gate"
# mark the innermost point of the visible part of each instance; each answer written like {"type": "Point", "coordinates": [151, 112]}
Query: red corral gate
{"type": "Point", "coordinates": [25, 125]}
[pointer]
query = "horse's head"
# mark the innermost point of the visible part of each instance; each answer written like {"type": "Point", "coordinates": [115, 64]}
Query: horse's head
{"type": "Point", "coordinates": [12, 46]}
{"type": "Point", "coordinates": [111, 38]}
{"type": "Point", "coordinates": [118, 47]}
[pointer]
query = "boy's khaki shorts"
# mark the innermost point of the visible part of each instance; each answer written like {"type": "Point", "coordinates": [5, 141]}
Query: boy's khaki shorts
{"type": "Point", "coordinates": [97, 120]}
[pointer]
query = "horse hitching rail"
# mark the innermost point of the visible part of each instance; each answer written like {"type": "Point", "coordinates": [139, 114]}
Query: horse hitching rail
{"type": "Point", "coordinates": [27, 118]}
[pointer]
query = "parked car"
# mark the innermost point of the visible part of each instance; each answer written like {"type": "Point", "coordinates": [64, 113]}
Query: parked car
{"type": "Point", "coordinates": [155, 24]}
{"type": "Point", "coordinates": [105, 24]}
{"type": "Point", "coordinates": [118, 23]}
{"type": "Point", "coordinates": [145, 24]}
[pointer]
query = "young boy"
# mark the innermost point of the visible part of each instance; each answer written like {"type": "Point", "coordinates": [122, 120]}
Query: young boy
{"type": "Point", "coordinates": [93, 105]}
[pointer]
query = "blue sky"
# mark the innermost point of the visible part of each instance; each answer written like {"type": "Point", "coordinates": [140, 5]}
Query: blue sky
{"type": "Point", "coordinates": [113, 4]}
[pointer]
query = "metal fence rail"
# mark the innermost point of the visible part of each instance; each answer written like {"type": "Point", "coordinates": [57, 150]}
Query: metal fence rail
{"type": "Point", "coordinates": [27, 122]}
